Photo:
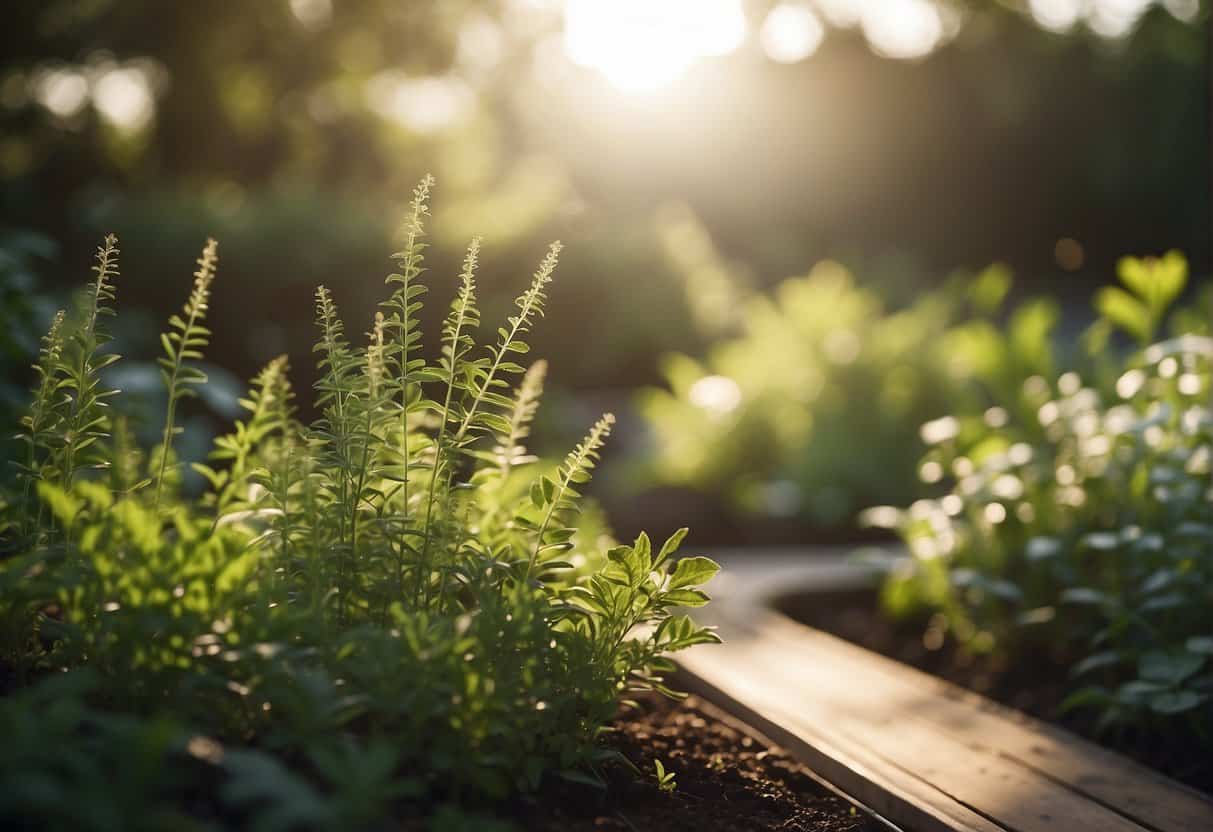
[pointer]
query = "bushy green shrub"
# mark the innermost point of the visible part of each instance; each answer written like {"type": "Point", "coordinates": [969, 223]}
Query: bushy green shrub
{"type": "Point", "coordinates": [812, 409]}
{"type": "Point", "coordinates": [1080, 519]}
{"type": "Point", "coordinates": [362, 618]}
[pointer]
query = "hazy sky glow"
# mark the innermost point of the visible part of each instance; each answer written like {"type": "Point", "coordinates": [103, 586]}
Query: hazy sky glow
{"type": "Point", "coordinates": [644, 45]}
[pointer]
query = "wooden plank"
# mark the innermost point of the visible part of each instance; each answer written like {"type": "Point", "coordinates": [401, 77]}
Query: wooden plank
{"type": "Point", "coordinates": [868, 778]}
{"type": "Point", "coordinates": [864, 717]}
{"type": "Point", "coordinates": [975, 776]}
{"type": "Point", "coordinates": [1110, 779]}
{"type": "Point", "coordinates": [921, 751]}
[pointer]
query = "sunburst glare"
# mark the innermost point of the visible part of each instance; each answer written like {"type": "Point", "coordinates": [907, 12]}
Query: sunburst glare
{"type": "Point", "coordinates": [643, 45]}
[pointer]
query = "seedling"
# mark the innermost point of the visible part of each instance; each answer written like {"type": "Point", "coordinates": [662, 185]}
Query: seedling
{"type": "Point", "coordinates": [665, 779]}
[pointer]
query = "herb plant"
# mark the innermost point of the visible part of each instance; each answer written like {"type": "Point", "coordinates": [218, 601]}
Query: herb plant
{"type": "Point", "coordinates": [1083, 526]}
{"type": "Point", "coordinates": [361, 618]}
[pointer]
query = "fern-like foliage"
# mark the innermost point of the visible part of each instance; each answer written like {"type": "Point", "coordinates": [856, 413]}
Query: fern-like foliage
{"type": "Point", "coordinates": [455, 373]}
{"type": "Point", "coordinates": [39, 423]}
{"type": "Point", "coordinates": [126, 470]}
{"type": "Point", "coordinates": [406, 368]}
{"type": "Point", "coordinates": [488, 382]}
{"type": "Point", "coordinates": [84, 420]}
{"type": "Point", "coordinates": [183, 343]}
{"type": "Point", "coordinates": [558, 499]}
{"type": "Point", "coordinates": [383, 571]}
{"type": "Point", "coordinates": [269, 406]}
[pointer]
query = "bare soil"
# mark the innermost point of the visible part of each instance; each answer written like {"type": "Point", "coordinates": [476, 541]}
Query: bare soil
{"type": "Point", "coordinates": [727, 781]}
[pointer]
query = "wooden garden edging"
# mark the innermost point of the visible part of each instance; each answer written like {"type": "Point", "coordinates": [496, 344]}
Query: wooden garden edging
{"type": "Point", "coordinates": [918, 750]}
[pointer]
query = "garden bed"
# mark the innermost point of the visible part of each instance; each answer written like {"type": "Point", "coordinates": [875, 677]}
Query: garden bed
{"type": "Point", "coordinates": [920, 750]}
{"type": "Point", "coordinates": [728, 778]}
{"type": "Point", "coordinates": [1035, 687]}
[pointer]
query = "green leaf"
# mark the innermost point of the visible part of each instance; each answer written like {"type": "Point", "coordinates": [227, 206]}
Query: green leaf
{"type": "Point", "coordinates": [1175, 702]}
{"type": "Point", "coordinates": [1200, 644]}
{"type": "Point", "coordinates": [1091, 696]}
{"type": "Point", "coordinates": [1096, 661]}
{"type": "Point", "coordinates": [1029, 330]}
{"type": "Point", "coordinates": [694, 571]}
{"type": "Point", "coordinates": [670, 546]}
{"type": "Point", "coordinates": [1125, 311]}
{"type": "Point", "coordinates": [989, 288]}
{"type": "Point", "coordinates": [1138, 692]}
{"type": "Point", "coordinates": [686, 598]}
{"type": "Point", "coordinates": [679, 632]}
{"type": "Point", "coordinates": [1157, 280]}
{"type": "Point", "coordinates": [1042, 548]}
{"type": "Point", "coordinates": [494, 422]}
{"type": "Point", "coordinates": [1101, 541]}
{"type": "Point", "coordinates": [1169, 666]}
{"type": "Point", "coordinates": [1083, 595]}
{"type": "Point", "coordinates": [644, 552]}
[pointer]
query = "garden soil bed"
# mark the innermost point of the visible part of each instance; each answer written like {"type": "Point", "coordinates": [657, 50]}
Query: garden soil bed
{"type": "Point", "coordinates": [727, 779]}
{"type": "Point", "coordinates": [1037, 687]}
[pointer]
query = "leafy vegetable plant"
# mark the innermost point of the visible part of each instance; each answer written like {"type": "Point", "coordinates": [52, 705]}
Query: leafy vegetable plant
{"type": "Point", "coordinates": [363, 617]}
{"type": "Point", "coordinates": [1081, 519]}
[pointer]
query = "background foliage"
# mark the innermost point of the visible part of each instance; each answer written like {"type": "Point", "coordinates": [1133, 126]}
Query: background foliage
{"type": "Point", "coordinates": [168, 122]}
{"type": "Point", "coordinates": [1076, 526]}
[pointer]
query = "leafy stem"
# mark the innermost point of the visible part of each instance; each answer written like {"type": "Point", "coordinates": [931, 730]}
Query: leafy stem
{"type": "Point", "coordinates": [184, 341]}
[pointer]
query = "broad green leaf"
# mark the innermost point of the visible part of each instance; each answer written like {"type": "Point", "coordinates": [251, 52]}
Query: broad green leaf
{"type": "Point", "coordinates": [1042, 548]}
{"type": "Point", "coordinates": [670, 546]}
{"type": "Point", "coordinates": [1096, 661]}
{"type": "Point", "coordinates": [1125, 311]}
{"type": "Point", "coordinates": [1083, 595]}
{"type": "Point", "coordinates": [989, 288]}
{"type": "Point", "coordinates": [1169, 666]}
{"type": "Point", "coordinates": [692, 572]}
{"type": "Point", "coordinates": [685, 597]}
{"type": "Point", "coordinates": [1101, 541]}
{"type": "Point", "coordinates": [1176, 702]}
{"type": "Point", "coordinates": [1157, 280]}
{"type": "Point", "coordinates": [1200, 644]}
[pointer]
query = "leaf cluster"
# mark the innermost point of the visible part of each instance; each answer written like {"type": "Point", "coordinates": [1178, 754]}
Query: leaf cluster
{"type": "Point", "coordinates": [770, 420]}
{"type": "Point", "coordinates": [393, 606]}
{"type": "Point", "coordinates": [1082, 529]}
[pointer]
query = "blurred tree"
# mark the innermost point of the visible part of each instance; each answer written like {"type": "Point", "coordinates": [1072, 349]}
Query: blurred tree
{"type": "Point", "coordinates": [292, 129]}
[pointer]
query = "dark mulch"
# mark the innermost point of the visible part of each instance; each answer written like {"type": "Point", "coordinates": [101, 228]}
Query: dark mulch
{"type": "Point", "coordinates": [1035, 685]}
{"type": "Point", "coordinates": [726, 781]}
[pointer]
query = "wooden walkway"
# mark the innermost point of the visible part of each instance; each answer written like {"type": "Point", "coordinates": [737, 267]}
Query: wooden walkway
{"type": "Point", "coordinates": [923, 753]}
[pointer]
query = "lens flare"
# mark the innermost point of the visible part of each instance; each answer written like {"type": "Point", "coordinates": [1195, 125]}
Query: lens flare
{"type": "Point", "coordinates": [643, 45]}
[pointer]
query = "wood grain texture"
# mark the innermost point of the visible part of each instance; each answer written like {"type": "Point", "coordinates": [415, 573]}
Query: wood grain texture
{"type": "Point", "coordinates": [924, 753]}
